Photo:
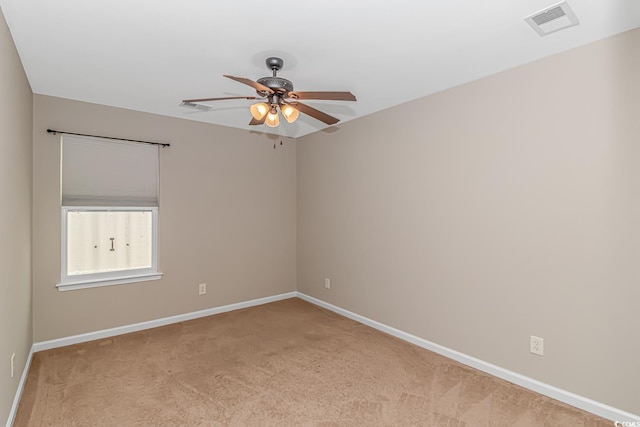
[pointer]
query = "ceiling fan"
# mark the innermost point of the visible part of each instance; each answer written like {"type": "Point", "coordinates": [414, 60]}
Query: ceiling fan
{"type": "Point", "coordinates": [277, 93]}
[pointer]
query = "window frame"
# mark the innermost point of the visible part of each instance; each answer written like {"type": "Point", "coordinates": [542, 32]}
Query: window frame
{"type": "Point", "coordinates": [109, 278]}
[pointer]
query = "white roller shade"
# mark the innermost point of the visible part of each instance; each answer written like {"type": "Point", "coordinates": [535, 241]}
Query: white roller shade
{"type": "Point", "coordinates": [102, 172]}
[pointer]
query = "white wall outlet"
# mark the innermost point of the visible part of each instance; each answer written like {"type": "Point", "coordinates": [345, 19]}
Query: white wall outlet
{"type": "Point", "coordinates": [536, 345]}
{"type": "Point", "coordinates": [202, 288]}
{"type": "Point", "coordinates": [327, 283]}
{"type": "Point", "coordinates": [13, 359]}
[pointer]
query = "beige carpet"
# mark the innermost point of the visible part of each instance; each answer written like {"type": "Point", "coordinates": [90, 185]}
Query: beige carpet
{"type": "Point", "coordinates": [287, 363]}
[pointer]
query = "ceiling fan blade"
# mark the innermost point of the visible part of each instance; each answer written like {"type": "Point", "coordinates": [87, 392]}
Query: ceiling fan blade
{"type": "Point", "coordinates": [257, 86]}
{"type": "Point", "coordinates": [255, 122]}
{"type": "Point", "coordinates": [333, 96]}
{"type": "Point", "coordinates": [316, 114]}
{"type": "Point", "coordinates": [192, 101]}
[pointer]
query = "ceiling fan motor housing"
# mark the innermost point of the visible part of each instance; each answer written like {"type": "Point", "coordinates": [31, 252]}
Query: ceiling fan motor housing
{"type": "Point", "coordinates": [277, 84]}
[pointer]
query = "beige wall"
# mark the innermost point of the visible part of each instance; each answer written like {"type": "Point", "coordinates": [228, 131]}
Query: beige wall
{"type": "Point", "coordinates": [15, 218]}
{"type": "Point", "coordinates": [227, 218]}
{"type": "Point", "coordinates": [496, 210]}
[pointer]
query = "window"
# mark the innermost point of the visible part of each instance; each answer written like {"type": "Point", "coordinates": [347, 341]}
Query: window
{"type": "Point", "coordinates": [109, 212]}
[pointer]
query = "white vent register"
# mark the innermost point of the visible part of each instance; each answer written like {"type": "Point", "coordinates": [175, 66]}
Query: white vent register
{"type": "Point", "coordinates": [552, 19]}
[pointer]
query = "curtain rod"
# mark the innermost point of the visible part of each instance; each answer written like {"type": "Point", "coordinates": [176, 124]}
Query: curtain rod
{"type": "Point", "coordinates": [55, 132]}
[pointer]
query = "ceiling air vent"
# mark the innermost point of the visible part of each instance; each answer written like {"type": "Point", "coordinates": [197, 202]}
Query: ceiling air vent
{"type": "Point", "coordinates": [552, 19]}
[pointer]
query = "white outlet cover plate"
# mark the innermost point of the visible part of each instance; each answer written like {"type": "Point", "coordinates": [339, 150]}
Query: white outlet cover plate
{"type": "Point", "coordinates": [536, 345]}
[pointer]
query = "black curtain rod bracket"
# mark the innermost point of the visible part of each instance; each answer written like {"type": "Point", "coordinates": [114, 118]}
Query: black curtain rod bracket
{"type": "Point", "coordinates": [55, 132]}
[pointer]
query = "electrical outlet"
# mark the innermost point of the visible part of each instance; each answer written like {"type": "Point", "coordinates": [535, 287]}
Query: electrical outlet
{"type": "Point", "coordinates": [536, 345]}
{"type": "Point", "coordinates": [202, 288]}
{"type": "Point", "coordinates": [327, 283]}
{"type": "Point", "coordinates": [13, 357]}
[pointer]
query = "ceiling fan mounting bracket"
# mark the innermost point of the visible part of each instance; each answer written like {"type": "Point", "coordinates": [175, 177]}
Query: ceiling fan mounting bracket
{"type": "Point", "coordinates": [274, 64]}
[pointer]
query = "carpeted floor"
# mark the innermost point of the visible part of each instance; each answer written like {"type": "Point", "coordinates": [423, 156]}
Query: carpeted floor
{"type": "Point", "coordinates": [287, 363]}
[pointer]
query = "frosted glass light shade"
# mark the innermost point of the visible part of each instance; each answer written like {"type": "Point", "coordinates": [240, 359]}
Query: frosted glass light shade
{"type": "Point", "coordinates": [273, 120]}
{"type": "Point", "coordinates": [259, 110]}
{"type": "Point", "coordinates": [290, 114]}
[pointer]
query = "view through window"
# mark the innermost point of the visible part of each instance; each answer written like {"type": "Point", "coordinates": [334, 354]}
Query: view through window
{"type": "Point", "coordinates": [100, 241]}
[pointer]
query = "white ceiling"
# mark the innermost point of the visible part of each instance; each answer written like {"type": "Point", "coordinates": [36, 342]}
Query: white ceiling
{"type": "Point", "coordinates": [148, 55]}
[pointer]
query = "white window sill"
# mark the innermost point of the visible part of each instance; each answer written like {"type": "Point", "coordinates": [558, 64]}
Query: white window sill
{"type": "Point", "coordinates": [84, 284]}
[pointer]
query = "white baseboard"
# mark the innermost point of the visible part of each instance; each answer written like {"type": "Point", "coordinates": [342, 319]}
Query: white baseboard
{"type": "Point", "coordinates": [23, 380]}
{"type": "Point", "coordinates": [567, 397]}
{"type": "Point", "coordinates": [120, 330]}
